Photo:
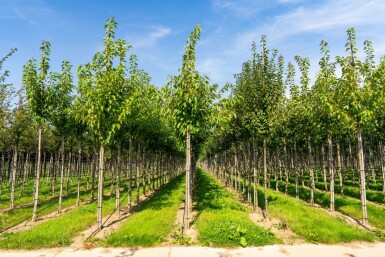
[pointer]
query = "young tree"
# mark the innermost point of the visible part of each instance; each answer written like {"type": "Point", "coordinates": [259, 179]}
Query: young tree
{"type": "Point", "coordinates": [6, 92]}
{"type": "Point", "coordinates": [325, 114]}
{"type": "Point", "coordinates": [102, 89]}
{"type": "Point", "coordinates": [190, 101]}
{"type": "Point", "coordinates": [36, 82]}
{"type": "Point", "coordinates": [62, 99]}
{"type": "Point", "coordinates": [356, 101]}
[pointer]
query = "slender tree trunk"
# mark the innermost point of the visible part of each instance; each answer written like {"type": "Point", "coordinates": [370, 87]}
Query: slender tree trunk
{"type": "Point", "coordinates": [311, 171]}
{"type": "Point", "coordinates": [100, 186]}
{"type": "Point", "coordinates": [255, 206]}
{"type": "Point", "coordinates": [352, 164]}
{"type": "Point", "coordinates": [285, 166]}
{"type": "Point", "coordinates": [382, 156]}
{"type": "Point", "coordinates": [339, 164]}
{"type": "Point", "coordinates": [324, 167]}
{"type": "Point", "coordinates": [186, 222]}
{"type": "Point", "coordinates": [331, 172]}
{"type": "Point", "coordinates": [118, 179]}
{"type": "Point", "coordinates": [79, 172]}
{"type": "Point", "coordinates": [137, 173]}
{"type": "Point", "coordinates": [36, 192]}
{"type": "Point", "coordinates": [129, 173]}
{"type": "Point", "coordinates": [14, 168]}
{"type": "Point", "coordinates": [61, 175]}
{"type": "Point", "coordinates": [296, 170]}
{"type": "Point", "coordinates": [94, 165]}
{"type": "Point", "coordinates": [361, 168]}
{"type": "Point", "coordinates": [265, 177]}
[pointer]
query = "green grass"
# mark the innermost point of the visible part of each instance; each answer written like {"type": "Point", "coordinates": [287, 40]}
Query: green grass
{"type": "Point", "coordinates": [14, 216]}
{"type": "Point", "coordinates": [352, 191]}
{"type": "Point", "coordinates": [343, 204]}
{"type": "Point", "coordinates": [312, 224]}
{"type": "Point", "coordinates": [45, 192]}
{"type": "Point", "coordinates": [60, 231]}
{"type": "Point", "coordinates": [153, 221]}
{"type": "Point", "coordinates": [222, 221]}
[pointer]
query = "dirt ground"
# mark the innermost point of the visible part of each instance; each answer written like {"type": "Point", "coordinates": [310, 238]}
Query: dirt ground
{"type": "Point", "coordinates": [301, 250]}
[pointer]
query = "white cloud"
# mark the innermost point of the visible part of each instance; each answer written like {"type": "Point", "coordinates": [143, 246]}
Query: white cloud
{"type": "Point", "coordinates": [152, 38]}
{"type": "Point", "coordinates": [241, 8]}
{"type": "Point", "coordinates": [30, 11]}
{"type": "Point", "coordinates": [299, 31]}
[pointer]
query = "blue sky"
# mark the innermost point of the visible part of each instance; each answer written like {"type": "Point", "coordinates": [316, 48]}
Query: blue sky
{"type": "Point", "coordinates": [158, 30]}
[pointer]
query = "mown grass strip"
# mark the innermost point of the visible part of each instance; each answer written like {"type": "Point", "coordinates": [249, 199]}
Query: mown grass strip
{"type": "Point", "coordinates": [352, 191]}
{"type": "Point", "coordinates": [14, 216]}
{"type": "Point", "coordinates": [343, 204]}
{"type": "Point", "coordinates": [312, 224]}
{"type": "Point", "coordinates": [153, 221]}
{"type": "Point", "coordinates": [222, 221]}
{"type": "Point", "coordinates": [45, 192]}
{"type": "Point", "coordinates": [59, 231]}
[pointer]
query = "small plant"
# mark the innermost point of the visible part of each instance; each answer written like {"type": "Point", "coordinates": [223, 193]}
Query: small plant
{"type": "Point", "coordinates": [379, 233]}
{"type": "Point", "coordinates": [239, 235]}
{"type": "Point", "coordinates": [93, 242]}
{"type": "Point", "coordinates": [283, 224]}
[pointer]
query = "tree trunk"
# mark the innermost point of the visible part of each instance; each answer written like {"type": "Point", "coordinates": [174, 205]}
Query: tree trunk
{"type": "Point", "coordinates": [61, 175]}
{"type": "Point", "coordinates": [382, 156]}
{"type": "Point", "coordinates": [361, 168]}
{"type": "Point", "coordinates": [265, 177]}
{"type": "Point", "coordinates": [311, 171]}
{"type": "Point", "coordinates": [324, 167]}
{"type": "Point", "coordinates": [137, 173]}
{"type": "Point", "coordinates": [118, 179]}
{"type": "Point", "coordinates": [36, 192]}
{"type": "Point", "coordinates": [331, 172]}
{"type": "Point", "coordinates": [129, 172]}
{"type": "Point", "coordinates": [100, 186]}
{"type": "Point", "coordinates": [14, 168]}
{"type": "Point", "coordinates": [94, 165]}
{"type": "Point", "coordinates": [339, 164]}
{"type": "Point", "coordinates": [79, 172]}
{"type": "Point", "coordinates": [296, 170]}
{"type": "Point", "coordinates": [285, 166]}
{"type": "Point", "coordinates": [255, 206]}
{"type": "Point", "coordinates": [186, 222]}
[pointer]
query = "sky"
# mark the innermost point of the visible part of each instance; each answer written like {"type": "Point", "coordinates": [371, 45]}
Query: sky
{"type": "Point", "coordinates": [158, 31]}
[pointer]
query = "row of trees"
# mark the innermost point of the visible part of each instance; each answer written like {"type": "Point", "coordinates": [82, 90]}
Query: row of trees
{"type": "Point", "coordinates": [114, 106]}
{"type": "Point", "coordinates": [340, 114]}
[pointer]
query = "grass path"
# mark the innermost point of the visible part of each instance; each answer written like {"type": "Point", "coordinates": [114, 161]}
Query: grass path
{"type": "Point", "coordinates": [152, 222]}
{"type": "Point", "coordinates": [312, 224]}
{"type": "Point", "coordinates": [344, 204]}
{"type": "Point", "coordinates": [222, 220]}
{"type": "Point", "coordinates": [62, 230]}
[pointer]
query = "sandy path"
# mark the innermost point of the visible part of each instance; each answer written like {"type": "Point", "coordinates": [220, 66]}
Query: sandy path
{"type": "Point", "coordinates": [302, 250]}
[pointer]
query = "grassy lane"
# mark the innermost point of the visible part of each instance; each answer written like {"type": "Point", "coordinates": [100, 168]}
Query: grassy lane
{"type": "Point", "coordinates": [14, 216]}
{"type": "Point", "coordinates": [343, 204]}
{"type": "Point", "coordinates": [60, 231]}
{"type": "Point", "coordinates": [222, 221]}
{"type": "Point", "coordinates": [312, 224]}
{"type": "Point", "coordinates": [153, 221]}
{"type": "Point", "coordinates": [45, 192]}
{"type": "Point", "coordinates": [371, 195]}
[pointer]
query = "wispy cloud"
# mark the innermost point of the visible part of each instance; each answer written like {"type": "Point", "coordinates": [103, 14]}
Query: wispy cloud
{"type": "Point", "coordinates": [152, 38]}
{"type": "Point", "coordinates": [298, 30]}
{"type": "Point", "coordinates": [29, 11]}
{"type": "Point", "coordinates": [241, 8]}
{"type": "Point", "coordinates": [248, 8]}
